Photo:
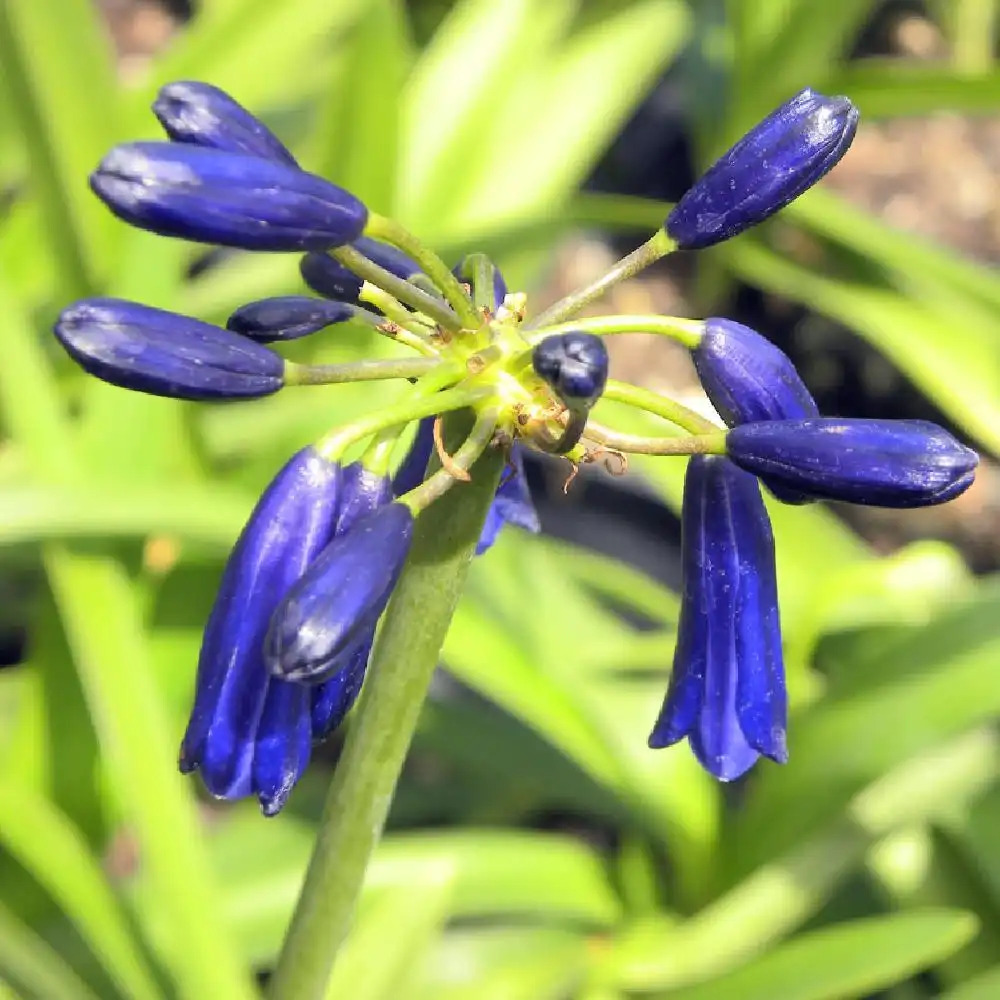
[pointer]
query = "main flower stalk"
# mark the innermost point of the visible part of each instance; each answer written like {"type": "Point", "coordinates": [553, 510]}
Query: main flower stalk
{"type": "Point", "coordinates": [404, 659]}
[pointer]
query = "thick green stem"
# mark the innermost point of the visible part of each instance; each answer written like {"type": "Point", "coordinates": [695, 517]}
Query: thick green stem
{"type": "Point", "coordinates": [405, 656]}
{"type": "Point", "coordinates": [657, 246]}
{"type": "Point", "coordinates": [642, 399]}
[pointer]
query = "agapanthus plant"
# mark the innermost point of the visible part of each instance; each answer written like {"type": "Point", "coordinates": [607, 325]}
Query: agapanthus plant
{"type": "Point", "coordinates": [349, 522]}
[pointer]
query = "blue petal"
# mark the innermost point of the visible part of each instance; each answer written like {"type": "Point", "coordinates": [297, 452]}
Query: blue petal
{"type": "Point", "coordinates": [283, 744]}
{"type": "Point", "coordinates": [293, 519]}
{"type": "Point", "coordinates": [727, 692]}
{"type": "Point", "coordinates": [287, 317]}
{"type": "Point", "coordinates": [413, 468]}
{"type": "Point", "coordinates": [511, 505]}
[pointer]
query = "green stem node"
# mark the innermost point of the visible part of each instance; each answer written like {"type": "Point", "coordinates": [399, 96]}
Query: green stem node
{"type": "Point", "coordinates": [382, 728]}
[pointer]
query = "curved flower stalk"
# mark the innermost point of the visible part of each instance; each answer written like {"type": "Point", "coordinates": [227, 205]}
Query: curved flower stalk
{"type": "Point", "coordinates": [337, 555]}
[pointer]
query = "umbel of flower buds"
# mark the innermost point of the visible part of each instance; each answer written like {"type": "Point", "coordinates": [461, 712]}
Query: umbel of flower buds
{"type": "Point", "coordinates": [287, 644]}
{"type": "Point", "coordinates": [788, 152]}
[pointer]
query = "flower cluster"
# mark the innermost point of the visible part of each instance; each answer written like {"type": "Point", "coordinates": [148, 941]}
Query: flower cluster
{"type": "Point", "coordinates": [288, 640]}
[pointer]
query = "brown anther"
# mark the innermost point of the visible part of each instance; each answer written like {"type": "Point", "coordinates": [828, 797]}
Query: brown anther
{"type": "Point", "coordinates": [574, 472]}
{"type": "Point", "coordinates": [475, 364]}
{"type": "Point", "coordinates": [389, 328]}
{"type": "Point", "coordinates": [447, 462]}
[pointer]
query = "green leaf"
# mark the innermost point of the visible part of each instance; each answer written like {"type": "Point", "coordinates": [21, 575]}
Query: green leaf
{"type": "Point", "coordinates": [893, 87]}
{"type": "Point", "coordinates": [54, 852]}
{"type": "Point", "coordinates": [374, 965]}
{"type": "Point", "coordinates": [29, 962]}
{"type": "Point", "coordinates": [59, 79]}
{"type": "Point", "coordinates": [982, 987]}
{"type": "Point", "coordinates": [851, 959]}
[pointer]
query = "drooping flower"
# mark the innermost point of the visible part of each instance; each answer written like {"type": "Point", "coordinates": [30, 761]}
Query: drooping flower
{"type": "Point", "coordinates": [882, 463]}
{"type": "Point", "coordinates": [250, 733]}
{"type": "Point", "coordinates": [364, 491]}
{"type": "Point", "coordinates": [748, 379]}
{"type": "Point", "coordinates": [330, 613]}
{"type": "Point", "coordinates": [778, 159]}
{"type": "Point", "coordinates": [202, 115]}
{"type": "Point", "coordinates": [215, 196]}
{"type": "Point", "coordinates": [165, 354]}
{"type": "Point", "coordinates": [727, 688]}
{"type": "Point", "coordinates": [287, 317]}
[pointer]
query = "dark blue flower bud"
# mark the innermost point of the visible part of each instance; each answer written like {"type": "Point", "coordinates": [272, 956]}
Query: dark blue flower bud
{"type": "Point", "coordinates": [511, 505]}
{"type": "Point", "coordinates": [727, 688]}
{"type": "Point", "coordinates": [748, 379]}
{"type": "Point", "coordinates": [778, 159]}
{"type": "Point", "coordinates": [328, 615]}
{"type": "Point", "coordinates": [250, 733]}
{"type": "Point", "coordinates": [213, 196]}
{"type": "Point", "coordinates": [329, 278]}
{"type": "Point", "coordinates": [575, 364]}
{"type": "Point", "coordinates": [883, 463]}
{"type": "Point", "coordinates": [499, 285]}
{"type": "Point", "coordinates": [165, 354]}
{"type": "Point", "coordinates": [287, 317]}
{"type": "Point", "coordinates": [364, 491]}
{"type": "Point", "coordinates": [203, 115]}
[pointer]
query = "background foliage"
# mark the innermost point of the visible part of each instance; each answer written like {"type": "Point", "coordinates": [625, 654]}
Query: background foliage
{"type": "Point", "coordinates": [537, 850]}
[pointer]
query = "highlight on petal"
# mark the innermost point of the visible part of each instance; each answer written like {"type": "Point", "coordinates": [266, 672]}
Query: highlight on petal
{"type": "Point", "coordinates": [329, 614]}
{"type": "Point", "coordinates": [287, 317]}
{"type": "Point", "coordinates": [203, 115]}
{"type": "Point", "coordinates": [216, 196]}
{"type": "Point", "coordinates": [883, 463]}
{"type": "Point", "coordinates": [778, 159]}
{"type": "Point", "coordinates": [727, 688]}
{"type": "Point", "coordinates": [248, 732]}
{"type": "Point", "coordinates": [164, 353]}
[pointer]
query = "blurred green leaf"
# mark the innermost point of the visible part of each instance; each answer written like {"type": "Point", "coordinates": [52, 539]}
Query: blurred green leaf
{"type": "Point", "coordinates": [847, 960]}
{"type": "Point", "coordinates": [27, 961]}
{"type": "Point", "coordinates": [983, 987]}
{"type": "Point", "coordinates": [49, 847]}
{"type": "Point", "coordinates": [892, 87]}
{"type": "Point", "coordinates": [374, 965]}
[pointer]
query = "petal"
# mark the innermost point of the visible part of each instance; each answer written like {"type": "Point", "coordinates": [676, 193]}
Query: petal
{"type": "Point", "coordinates": [511, 505]}
{"type": "Point", "coordinates": [283, 744]}
{"type": "Point", "coordinates": [287, 317]}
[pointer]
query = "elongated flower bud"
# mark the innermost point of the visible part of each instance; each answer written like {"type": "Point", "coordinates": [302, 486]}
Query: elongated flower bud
{"type": "Point", "coordinates": [364, 492]}
{"type": "Point", "coordinates": [165, 354]}
{"type": "Point", "coordinates": [511, 505]}
{"type": "Point", "coordinates": [327, 617]}
{"type": "Point", "coordinates": [214, 196]}
{"type": "Point", "coordinates": [727, 688]}
{"type": "Point", "coordinates": [778, 159]}
{"type": "Point", "coordinates": [388, 257]}
{"type": "Point", "coordinates": [250, 733]}
{"type": "Point", "coordinates": [287, 317]}
{"type": "Point", "coordinates": [575, 365]}
{"type": "Point", "coordinates": [748, 378]}
{"type": "Point", "coordinates": [202, 115]}
{"type": "Point", "coordinates": [883, 463]}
